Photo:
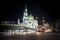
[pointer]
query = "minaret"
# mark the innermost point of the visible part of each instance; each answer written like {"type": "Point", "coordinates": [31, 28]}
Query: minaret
{"type": "Point", "coordinates": [25, 13]}
{"type": "Point", "coordinates": [18, 21]}
{"type": "Point", "coordinates": [25, 16]}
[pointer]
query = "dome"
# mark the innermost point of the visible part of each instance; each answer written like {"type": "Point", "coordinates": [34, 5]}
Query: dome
{"type": "Point", "coordinates": [31, 17]}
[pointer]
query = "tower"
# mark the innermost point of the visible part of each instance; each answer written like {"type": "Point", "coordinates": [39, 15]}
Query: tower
{"type": "Point", "coordinates": [18, 21]}
{"type": "Point", "coordinates": [25, 17]}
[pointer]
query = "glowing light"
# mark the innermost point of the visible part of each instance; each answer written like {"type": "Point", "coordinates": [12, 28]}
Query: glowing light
{"type": "Point", "coordinates": [36, 17]}
{"type": "Point", "coordinates": [24, 33]}
{"type": "Point", "coordinates": [49, 30]}
{"type": "Point", "coordinates": [42, 17]}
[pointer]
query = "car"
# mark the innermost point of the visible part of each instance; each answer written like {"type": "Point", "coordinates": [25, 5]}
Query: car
{"type": "Point", "coordinates": [40, 29]}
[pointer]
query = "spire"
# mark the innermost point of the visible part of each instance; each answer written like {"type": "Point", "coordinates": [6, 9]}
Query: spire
{"type": "Point", "coordinates": [26, 12]}
{"type": "Point", "coordinates": [26, 8]}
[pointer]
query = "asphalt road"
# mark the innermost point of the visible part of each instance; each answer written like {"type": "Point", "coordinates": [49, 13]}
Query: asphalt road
{"type": "Point", "coordinates": [33, 36]}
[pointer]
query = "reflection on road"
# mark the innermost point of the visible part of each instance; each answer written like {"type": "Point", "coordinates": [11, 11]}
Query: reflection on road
{"type": "Point", "coordinates": [20, 33]}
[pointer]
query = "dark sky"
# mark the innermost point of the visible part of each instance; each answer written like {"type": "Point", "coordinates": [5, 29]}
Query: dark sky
{"type": "Point", "coordinates": [12, 10]}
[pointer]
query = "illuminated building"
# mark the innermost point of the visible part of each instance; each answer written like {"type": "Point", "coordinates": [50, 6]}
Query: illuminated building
{"type": "Point", "coordinates": [29, 21]}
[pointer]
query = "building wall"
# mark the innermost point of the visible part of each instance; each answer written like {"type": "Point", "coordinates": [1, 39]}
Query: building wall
{"type": "Point", "coordinates": [29, 21]}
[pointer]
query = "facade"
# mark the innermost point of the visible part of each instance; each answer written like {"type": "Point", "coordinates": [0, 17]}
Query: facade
{"type": "Point", "coordinates": [29, 21]}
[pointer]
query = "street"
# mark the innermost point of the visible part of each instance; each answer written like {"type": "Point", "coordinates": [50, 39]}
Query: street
{"type": "Point", "coordinates": [33, 36]}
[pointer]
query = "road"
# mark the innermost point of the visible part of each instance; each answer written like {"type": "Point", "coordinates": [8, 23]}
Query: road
{"type": "Point", "coordinates": [33, 36]}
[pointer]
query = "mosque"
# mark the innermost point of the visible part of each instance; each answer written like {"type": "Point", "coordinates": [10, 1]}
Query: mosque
{"type": "Point", "coordinates": [28, 20]}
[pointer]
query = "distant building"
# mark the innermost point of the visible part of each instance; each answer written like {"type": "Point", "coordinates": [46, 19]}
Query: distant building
{"type": "Point", "coordinates": [29, 21]}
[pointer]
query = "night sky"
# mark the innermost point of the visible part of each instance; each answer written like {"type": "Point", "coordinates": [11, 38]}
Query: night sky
{"type": "Point", "coordinates": [13, 9]}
